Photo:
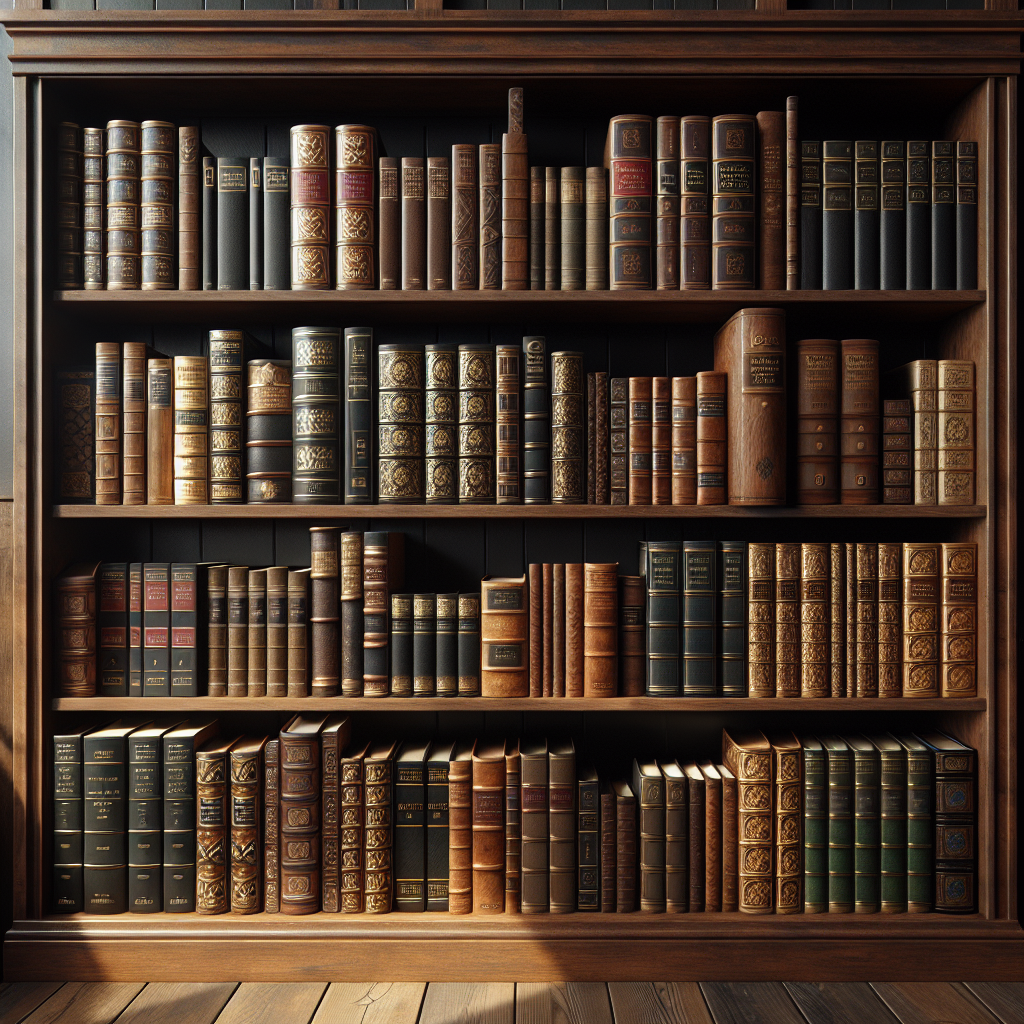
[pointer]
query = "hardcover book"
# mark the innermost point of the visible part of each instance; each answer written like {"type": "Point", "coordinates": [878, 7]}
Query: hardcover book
{"type": "Point", "coordinates": [515, 196]}
{"type": "Point", "coordinates": [733, 184]}
{"type": "Point", "coordinates": [535, 891]}
{"type": "Point", "coordinates": [460, 829]}
{"type": "Point", "coordinates": [465, 227]}
{"type": "Point", "coordinates": [410, 836]}
{"type": "Point", "coordinates": [355, 241]}
{"type": "Point", "coordinates": [568, 475]}
{"type": "Point", "coordinates": [316, 415]}
{"type": "Point", "coordinates": [489, 827]}
{"type": "Point", "coordinates": [666, 259]}
{"type": "Point", "coordinates": [695, 210]}
{"type": "Point", "coordinates": [504, 638]}
{"type": "Point", "coordinates": [630, 200]}
{"type": "Point", "coordinates": [310, 206]}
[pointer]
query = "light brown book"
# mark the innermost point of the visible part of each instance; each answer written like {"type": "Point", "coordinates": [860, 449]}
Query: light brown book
{"type": "Point", "coordinates": [227, 416]}
{"type": "Point", "coordinates": [632, 636]}
{"type": "Point", "coordinates": [354, 234]}
{"type": "Point", "coordinates": [191, 430]}
{"type": "Point", "coordinates": [958, 661]}
{"type": "Point", "coordinates": [792, 193]}
{"type": "Point", "coordinates": [761, 619]}
{"type": "Point", "coordinates": [749, 757]}
{"type": "Point", "coordinates": [507, 449]}
{"type": "Point", "coordinates": [890, 576]}
{"type": "Point", "coordinates": [547, 628]}
{"type": "Point", "coordinates": [921, 619]}
{"type": "Point", "coordinates": [389, 243]}
{"type": "Point", "coordinates": [562, 826]}
{"type": "Point", "coordinates": [504, 637]}
{"type": "Point", "coordinates": [298, 632]}
{"type": "Point", "coordinates": [817, 421]}
{"type": "Point", "coordinates": [108, 423]}
{"type": "Point", "coordinates": [575, 631]}
{"type": "Point", "coordinates": [730, 840]}
{"type": "Point", "coordinates": [666, 204]}
{"type": "Point", "coordinates": [787, 620]}
{"type": "Point", "coordinates": [661, 441]}
{"type": "Point", "coordinates": [696, 805]}
{"type": "Point", "coordinates": [713, 853]}
{"type": "Point", "coordinates": [597, 229]}
{"type": "Point", "coordinates": [815, 678]}
{"type": "Point", "coordinates": [787, 775]}
{"type": "Point", "coordinates": [160, 432]}
{"type": "Point", "coordinates": [859, 423]}
{"type": "Point", "coordinates": [189, 256]}
{"type": "Point", "coordinates": [465, 272]}
{"type": "Point", "coordinates": [771, 199]}
{"type": "Point", "coordinates": [920, 381]}
{"type": "Point", "coordinates": [351, 613]}
{"type": "Point", "coordinates": [536, 587]}
{"type": "Point", "coordinates": [956, 432]}
{"type": "Point", "coordinates": [490, 216]}
{"type": "Point", "coordinates": [277, 631]}
{"type": "Point", "coordinates": [378, 796]}
{"type": "Point", "coordinates": [257, 634]}
{"type": "Point", "coordinates": [850, 672]}
{"type": "Point", "coordinates": [558, 629]}
{"type": "Point", "coordinates": [600, 629]}
{"type": "Point", "coordinates": [246, 816]}
{"type": "Point", "coordinates": [460, 830]}
{"type": "Point", "coordinates": [238, 630]}
{"type": "Point", "coordinates": [712, 438]}
{"type": "Point", "coordinates": [213, 836]}
{"type": "Point", "coordinates": [837, 625]}
{"type": "Point", "coordinates": [310, 199]}
{"type": "Point", "coordinates": [515, 199]}
{"type": "Point", "coordinates": [677, 838]}
{"type": "Point", "coordinates": [867, 620]}
{"type": "Point", "coordinates": [639, 454]}
{"type": "Point", "coordinates": [217, 631]}
{"type": "Point", "coordinates": [133, 461]}
{"type": "Point", "coordinates": [352, 835]}
{"type": "Point", "coordinates": [439, 224]}
{"type": "Point", "coordinates": [488, 827]}
{"type": "Point", "coordinates": [684, 440]}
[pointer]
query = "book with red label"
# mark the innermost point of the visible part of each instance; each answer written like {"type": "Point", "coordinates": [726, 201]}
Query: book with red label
{"type": "Point", "coordinates": [156, 627]}
{"type": "Point", "coordinates": [112, 631]}
{"type": "Point", "coordinates": [630, 199]}
{"type": "Point", "coordinates": [354, 239]}
{"type": "Point", "coordinates": [188, 627]}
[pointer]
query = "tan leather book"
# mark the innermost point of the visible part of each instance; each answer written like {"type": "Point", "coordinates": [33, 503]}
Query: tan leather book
{"type": "Point", "coordinates": [787, 620]}
{"type": "Point", "coordinates": [325, 609]}
{"type": "Point", "coordinates": [213, 861]}
{"type": "Point", "coordinates": [217, 631]}
{"type": "Point", "coordinates": [355, 240]}
{"type": "Point", "coordinates": [867, 620]}
{"type": "Point", "coordinates": [536, 837]}
{"type": "Point", "coordinates": [188, 209]}
{"type": "Point", "coordinates": [919, 380]}
{"type": "Point", "coordinates": [787, 773]}
{"type": "Point", "coordinates": [272, 826]}
{"type": "Point", "coordinates": [837, 625]}
{"type": "Point", "coordinates": [606, 825]}
{"type": "Point", "coordinates": [246, 816]}
{"type": "Point", "coordinates": [750, 349]}
{"type": "Point", "coordinates": [310, 191]}
{"type": "Point", "coordinates": [277, 631]}
{"type": "Point", "coordinates": [133, 462]}
{"type": "Point", "coordinates": [90, 217]}
{"type": "Point", "coordinates": [649, 784]}
{"type": "Point", "coordinates": [677, 838]}
{"type": "Point", "coordinates": [955, 432]}
{"type": "Point", "coordinates": [156, 212]}
{"type": "Point", "coordinates": [562, 824]}
{"type": "Point", "coordinates": [815, 679]}
{"type": "Point", "coordinates": [238, 631]}
{"type": "Point", "coordinates": [298, 633]}
{"type": "Point", "coordinates": [921, 619]}
{"type": "Point", "coordinates": [460, 830]}
{"type": "Point", "coordinates": [600, 629]}
{"type": "Point", "coordinates": [890, 578]}
{"type": "Point", "coordinates": [771, 199]}
{"type": "Point", "coordinates": [712, 438]}
{"type": "Point", "coordinates": [536, 587]}
{"type": "Point", "coordinates": [761, 620]}
{"type": "Point", "coordinates": [684, 441]}
{"type": "Point", "coordinates": [552, 231]}
{"type": "Point", "coordinates": [661, 441]}
{"type": "Point", "coordinates": [490, 216]}
{"type": "Point", "coordinates": [618, 446]}
{"type": "Point", "coordinates": [602, 465]}
{"type": "Point", "coordinates": [227, 406]}
{"type": "Point", "coordinates": [108, 423]}
{"type": "Point", "coordinates": [414, 224]}
{"type": "Point", "coordinates": [547, 628]}
{"type": "Point", "coordinates": [596, 229]}
{"type": "Point", "coordinates": [465, 262]}
{"type": "Point", "coordinates": [390, 223]}
{"type": "Point", "coordinates": [257, 660]}
{"type": "Point", "coordinates": [488, 826]}
{"type": "Point", "coordinates": [639, 456]}
{"type": "Point", "coordinates": [697, 836]}
{"type": "Point", "coordinates": [850, 672]}
{"type": "Point", "coordinates": [632, 657]}
{"type": "Point", "coordinates": [507, 450]}
{"type": "Point", "coordinates": [191, 430]}
{"type": "Point", "coordinates": [352, 832]}
{"type": "Point", "coordinates": [713, 854]}
{"type": "Point", "coordinates": [729, 840]}
{"type": "Point", "coordinates": [625, 848]}
{"type": "Point", "coordinates": [558, 629]}
{"type": "Point", "coordinates": [439, 224]}
{"type": "Point", "coordinates": [792, 193]}
{"type": "Point", "coordinates": [749, 757]}
{"type": "Point", "coordinates": [666, 204]}
{"type": "Point", "coordinates": [572, 211]}
{"type": "Point", "coordinates": [859, 423]}
{"type": "Point", "coordinates": [504, 637]}
{"type": "Point", "coordinates": [515, 199]}
{"type": "Point", "coordinates": [160, 432]}
{"type": "Point", "coordinates": [378, 803]}
{"type": "Point", "coordinates": [628, 156]}
{"type": "Point", "coordinates": [568, 429]}
{"type": "Point", "coordinates": [817, 421]}
{"type": "Point", "coordinates": [123, 244]}
{"type": "Point", "coordinates": [897, 452]}
{"type": "Point", "coordinates": [575, 631]}
{"type": "Point", "coordinates": [513, 828]}
{"type": "Point", "coordinates": [958, 658]}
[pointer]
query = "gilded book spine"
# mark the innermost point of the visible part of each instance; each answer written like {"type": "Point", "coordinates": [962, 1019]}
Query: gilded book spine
{"type": "Point", "coordinates": [476, 425]}
{"type": "Point", "coordinates": [919, 234]}
{"type": "Point", "coordinates": [568, 484]}
{"type": "Point", "coordinates": [700, 614]}
{"type": "Point", "coordinates": [536, 423]}
{"type": "Point", "coordinates": [859, 422]}
{"type": "Point", "coordinates": [892, 216]}
{"type": "Point", "coordinates": [94, 196]}
{"type": "Point", "coordinates": [732, 618]}
{"type": "Point", "coordinates": [966, 215]}
{"type": "Point", "coordinates": [761, 619]}
{"type": "Point", "coordinates": [268, 445]}
{"type": "Point", "coordinates": [712, 442]}
{"type": "Point", "coordinates": [597, 229]}
{"type": "Point", "coordinates": [212, 838]}
{"type": "Point", "coordinates": [850, 662]}
{"type": "Point", "coordinates": [733, 220]}
{"type": "Point", "coordinates": [921, 380]}
{"type": "Point", "coordinates": [133, 463]}
{"type": "Point", "coordinates": [639, 449]}
{"type": "Point", "coordinates": [490, 216]}
{"type": "Point", "coordinates": [217, 631]}
{"type": "Point", "coordinates": [227, 353]}
{"type": "Point", "coordinates": [189, 258]}
{"type": "Point", "coordinates": [191, 431]}
{"type": "Point", "coordinates": [890, 683]}
{"type": "Point", "coordinates": [684, 440]}
{"type": "Point", "coordinates": [351, 614]}
{"type": "Point", "coordinates": [504, 638]}
{"type": "Point", "coordinates": [750, 760]}
{"type": "Point", "coordinates": [357, 383]}
{"type": "Point", "coordinates": [515, 199]}
{"type": "Point", "coordinates": [441, 441]}
{"type": "Point", "coordinates": [316, 415]}
{"type": "Point", "coordinates": [618, 446]}
{"type": "Point", "coordinates": [298, 632]}
{"type": "Point", "coordinates": [943, 261]}
{"type": "Point", "coordinates": [124, 263]}
{"type": "Point", "coordinates": [958, 664]}
{"type": "Point", "coordinates": [508, 447]}
{"type": "Point", "coordinates": [379, 572]}
{"type": "Point", "coordinates": [866, 240]}
{"type": "Point", "coordinates": [921, 626]}
{"type": "Point", "coordinates": [601, 457]}
{"type": "Point", "coordinates": [352, 832]}
{"type": "Point", "coordinates": [277, 631]}
{"type": "Point", "coordinates": [469, 645]}
{"type": "Point", "coordinates": [695, 209]}
{"type": "Point", "coordinates": [465, 268]}
{"type": "Point", "coordinates": [424, 645]}
{"type": "Point", "coordinates": [69, 205]}
{"type": "Point", "coordinates": [666, 275]}
{"type": "Point", "coordinates": [897, 452]}
{"type": "Point", "coordinates": [439, 224]}
{"type": "Point", "coordinates": [787, 620]}
{"type": "Point", "coordinates": [246, 762]}
{"type": "Point", "coordinates": [837, 625]}
{"type": "Point", "coordinates": [310, 206]}
{"type": "Point", "coordinates": [300, 817]}
{"type": "Point", "coordinates": [355, 240]}
{"type": "Point", "coordinates": [955, 432]}
{"type": "Point", "coordinates": [661, 441]}
{"type": "Point", "coordinates": [867, 620]}
{"type": "Point", "coordinates": [814, 620]}
{"type": "Point", "coordinates": [332, 748]}
{"type": "Point", "coordinates": [792, 193]}
{"type": "Point", "coordinates": [108, 423]}
{"type": "Point", "coordinates": [378, 801]}
{"type": "Point", "coordinates": [159, 146]}
{"type": "Point", "coordinates": [325, 609]}
{"type": "Point", "coordinates": [817, 439]}
{"type": "Point", "coordinates": [771, 199]}
{"type": "Point", "coordinates": [630, 198]}
{"type": "Point", "coordinates": [787, 756]}
{"type": "Point", "coordinates": [573, 236]}
{"type": "Point", "coordinates": [552, 231]}
{"type": "Point", "coordinates": [446, 671]}
{"type": "Point", "coordinates": [272, 827]}
{"type": "Point", "coordinates": [600, 629]}
{"type": "Point", "coordinates": [400, 427]}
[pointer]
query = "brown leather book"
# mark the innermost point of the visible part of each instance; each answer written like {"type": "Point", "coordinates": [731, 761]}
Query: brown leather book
{"type": "Point", "coordinates": [333, 739]}
{"type": "Point", "coordinates": [213, 827]}
{"type": "Point", "coordinates": [787, 775]}
{"type": "Point", "coordinates": [867, 620]}
{"type": "Point", "coordinates": [684, 441]}
{"type": "Point", "coordinates": [536, 838]}
{"type": "Point", "coordinates": [649, 784]}
{"type": "Point", "coordinates": [568, 429]}
{"type": "Point", "coordinates": [325, 609]}
{"type": "Point", "coordinates": [562, 823]}
{"type": "Point", "coordinates": [507, 358]}
{"type": "Point", "coordinates": [890, 576]}
{"type": "Point", "coordinates": [256, 685]}
{"type": "Point", "coordinates": [712, 438]}
{"type": "Point", "coordinates": [513, 828]}
{"type": "Point", "coordinates": [298, 633]}
{"type": "Point", "coordinates": [850, 661]}
{"type": "Point", "coordinates": [552, 231]}
{"type": "Point", "coordinates": [383, 575]}
{"type": "Point", "coordinates": [538, 209]}
{"type": "Point", "coordinates": [733, 194]}
{"type": "Point", "coordinates": [490, 216]}
{"type": "Point", "coordinates": [414, 224]}
{"type": "Point", "coordinates": [920, 379]}
{"type": "Point", "coordinates": [465, 271]}
{"type": "Point", "coordinates": [751, 350]}
{"type": "Point", "coordinates": [476, 424]}
{"type": "Point", "coordinates": [749, 757]}
{"type": "Point", "coordinates": [460, 830]}
{"type": "Point", "coordinates": [625, 848]}
{"type": "Point", "coordinates": [390, 216]}
{"type": "Point", "coordinates": [378, 804]}
{"type": "Point", "coordinates": [277, 631]}
{"type": "Point", "coordinates": [629, 159]}
{"type": "Point", "coordinates": [160, 432]}
{"type": "Point", "coordinates": [246, 816]}
{"type": "Point", "coordinates": [75, 629]}
{"type": "Point", "coordinates": [787, 620]}
{"type": "Point", "coordinates": [272, 826]}
{"type": "Point", "coordinates": [771, 198]}
{"type": "Point", "coordinates": [439, 224]}
{"type": "Point", "coordinates": [639, 455]}
{"type": "Point", "coordinates": [488, 827]}
{"type": "Point", "coordinates": [558, 629]}
{"type": "Point", "coordinates": [958, 659]}
{"type": "Point", "coordinates": [108, 423]}
{"type": "Point", "coordinates": [591, 439]}
{"type": "Point", "coordinates": [355, 242]}
{"type": "Point", "coordinates": [817, 421]}
{"type": "Point", "coordinates": [547, 628]}
{"type": "Point", "coordinates": [536, 587]}
{"type": "Point", "coordinates": [607, 854]}
{"type": "Point", "coordinates": [713, 860]}
{"type": "Point", "coordinates": [815, 606]}
{"type": "Point", "coordinates": [618, 446]}
{"type": "Point", "coordinates": [695, 202]}
{"type": "Point", "coordinates": [124, 262]}
{"type": "Point", "coordinates": [191, 431]}
{"type": "Point", "coordinates": [661, 441]}
{"type": "Point", "coordinates": [575, 641]}
{"type": "Point", "coordinates": [955, 432]}
{"type": "Point", "coordinates": [859, 425]}
{"type": "Point", "coordinates": [597, 229]}
{"type": "Point", "coordinates": [601, 454]}
{"type": "Point", "coordinates": [897, 452]}
{"type": "Point", "coordinates": [92, 212]}
{"type": "Point", "coordinates": [600, 629]}
{"type": "Point", "coordinates": [310, 191]}
{"type": "Point", "coordinates": [761, 619]}
{"type": "Point", "coordinates": [837, 624]}
{"type": "Point", "coordinates": [216, 631]}
{"type": "Point", "coordinates": [504, 637]}
{"type": "Point", "coordinates": [352, 836]}
{"type": "Point", "coordinates": [792, 193]}
{"type": "Point", "coordinates": [696, 805]}
{"type": "Point", "coordinates": [515, 199]}
{"type": "Point", "coordinates": [227, 466]}
{"type": "Point", "coordinates": [632, 636]}
{"type": "Point", "coordinates": [666, 227]}
{"type": "Point", "coordinates": [677, 839]}
{"type": "Point", "coordinates": [238, 631]}
{"type": "Point", "coordinates": [133, 462]}
{"type": "Point", "coordinates": [922, 628]}
{"type": "Point", "coordinates": [729, 840]}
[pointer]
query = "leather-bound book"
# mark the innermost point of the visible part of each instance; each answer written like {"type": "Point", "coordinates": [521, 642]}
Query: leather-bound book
{"type": "Point", "coordinates": [625, 848]}
{"type": "Point", "coordinates": [74, 437]}
{"type": "Point", "coordinates": [401, 645]}
{"type": "Point", "coordinates": [890, 681]}
{"type": "Point", "coordinates": [246, 816]}
{"type": "Point", "coordinates": [277, 631]}
{"type": "Point", "coordinates": [867, 620]}
{"type": "Point", "coordinates": [596, 230]}
{"type": "Point", "coordinates": [538, 209]}
{"type": "Point", "coordinates": [191, 430]}
{"type": "Point", "coordinates": [400, 425]}
{"type": "Point", "coordinates": [859, 422]}
{"type": "Point", "coordinates": [159, 147]}
{"type": "Point", "coordinates": [866, 226]}
{"type": "Point", "coordinates": [476, 424]}
{"type": "Point", "coordinates": [840, 825]}
{"type": "Point", "coordinates": [640, 430]}
{"type": "Point", "coordinates": [810, 215]}
{"type": "Point", "coordinates": [213, 836]}
{"type": "Point", "coordinates": [815, 636]}
{"type": "Point", "coordinates": [504, 638]}
{"type": "Point", "coordinates": [536, 838]}
{"type": "Point", "coordinates": [535, 585]}
{"type": "Point", "coordinates": [966, 215]}
{"type": "Point", "coordinates": [233, 223]}
{"type": "Point", "coordinates": [310, 206]}
{"type": "Point", "coordinates": [568, 465]}
{"type": "Point", "coordinates": [943, 226]}
{"type": "Point", "coordinates": [108, 423]}
{"type": "Point", "coordinates": [711, 840]}
{"type": "Point", "coordinates": [677, 839]}
{"type": "Point", "coordinates": [124, 192]}
{"type": "Point", "coordinates": [731, 613]}
{"type": "Point", "coordinates": [792, 193]}
{"type": "Point", "coordinates": [446, 671]}
{"type": "Point", "coordinates": [919, 227]}
{"type": "Point", "coordinates": [919, 379]}
{"type": "Point", "coordinates": [439, 226]}
{"type": "Point", "coordinates": [513, 828]}
{"type": "Point", "coordinates": [238, 631]}
{"type": "Point", "coordinates": [465, 230]}
{"type": "Point", "coordinates": [558, 629]}
{"type": "Point", "coordinates": [572, 275]}
{"type": "Point", "coordinates": [156, 630]}
{"type": "Point", "coordinates": [507, 416]}
{"type": "Point", "coordinates": [357, 383]}
{"type": "Point", "coordinates": [920, 830]}
{"type": "Point", "coordinates": [893, 824]}
{"type": "Point", "coordinates": [632, 658]}
{"type": "Point", "coordinates": [787, 780]}
{"type": "Point", "coordinates": [390, 226]}
{"type": "Point", "coordinates": [410, 832]}
{"type": "Point", "coordinates": [850, 661]}
{"type": "Point", "coordinates": [591, 469]}
{"type": "Point", "coordinates": [490, 216]}
{"type": "Point", "coordinates": [815, 826]}
{"type": "Point", "coordinates": [257, 667]}
{"type": "Point", "coordinates": [352, 834]}
{"type": "Point", "coordinates": [460, 829]}
{"type": "Point", "coordinates": [712, 438]}
{"type": "Point", "coordinates": [469, 645]}
{"type": "Point", "coordinates": [729, 839]}
{"type": "Point", "coordinates": [787, 620]}
{"type": "Point", "coordinates": [761, 619]}
{"type": "Point", "coordinates": [159, 431]}
{"type": "Point", "coordinates": [562, 826]}
{"type": "Point", "coordinates": [208, 226]}
{"type": "Point", "coordinates": [695, 199]}
{"type": "Point", "coordinates": [733, 187]}
{"type": "Point", "coordinates": [69, 205]}
{"type": "Point", "coordinates": [897, 452]}
{"type": "Point", "coordinates": [135, 630]}
{"type": "Point", "coordinates": [837, 215]}
{"type": "Point", "coordinates": [515, 195]}
{"type": "Point", "coordinates": [602, 464]}
{"type": "Point", "coordinates": [588, 897]}
{"type": "Point", "coordinates": [325, 609]}
{"type": "Point", "coordinates": [217, 630]}
{"type": "Point", "coordinates": [837, 623]}
{"type": "Point", "coordinates": [921, 619]}
{"type": "Point", "coordinates": [817, 441]}
{"type": "Point", "coordinates": [607, 852]}
{"type": "Point", "coordinates": [618, 441]}
{"type": "Point", "coordinates": [424, 645]}
{"type": "Point", "coordinates": [751, 351]}
{"type": "Point", "coordinates": [649, 785]}
{"type": "Point", "coordinates": [441, 441]}
{"type": "Point", "coordinates": [661, 441]}
{"type": "Point", "coordinates": [552, 230]}
{"type": "Point", "coordinates": [576, 632]}
{"type": "Point", "coordinates": [93, 214]}
{"type": "Point", "coordinates": [488, 817]}
{"type": "Point", "coordinates": [892, 217]}
{"type": "Point", "coordinates": [536, 423]}
{"type": "Point", "coordinates": [700, 614]}
{"type": "Point", "coordinates": [316, 415]}
{"type": "Point", "coordinates": [275, 225]}
{"type": "Point", "coordinates": [866, 825]}
{"type": "Point", "coordinates": [749, 757]}
{"type": "Point", "coordinates": [112, 629]}
{"type": "Point", "coordinates": [298, 633]}
{"type": "Point", "coordinates": [437, 824]}
{"type": "Point", "coordinates": [355, 149]}
{"type": "Point", "coordinates": [771, 199]}
{"type": "Point", "coordinates": [666, 253]}
{"type": "Point", "coordinates": [188, 641]}
{"type": "Point", "coordinates": [547, 634]}
{"type": "Point", "coordinates": [333, 738]}
{"type": "Point", "coordinates": [955, 431]}
{"type": "Point", "coordinates": [684, 441]}
{"type": "Point", "coordinates": [272, 826]}
{"type": "Point", "coordinates": [600, 627]}
{"type": "Point", "coordinates": [144, 819]}
{"type": "Point", "coordinates": [958, 659]}
{"type": "Point", "coordinates": [663, 573]}
{"type": "Point", "coordinates": [630, 200]}
{"type": "Point", "coordinates": [227, 360]}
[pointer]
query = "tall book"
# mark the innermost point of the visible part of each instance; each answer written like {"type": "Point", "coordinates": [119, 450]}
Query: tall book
{"type": "Point", "coordinates": [465, 231]}
{"type": "Point", "coordinates": [227, 361]}
{"type": "Point", "coordinates": [920, 826]}
{"type": "Point", "coordinates": [410, 837]}
{"type": "Point", "coordinates": [536, 423]}
{"type": "Point", "coordinates": [663, 574]}
{"type": "Point", "coordinates": [378, 803]}
{"type": "Point", "coordinates": [515, 196]}
{"type": "Point", "coordinates": [233, 223]}
{"type": "Point", "coordinates": [771, 199]}
{"type": "Point", "coordinates": [145, 820]}
{"type": "Point", "coordinates": [618, 445]}
{"type": "Point", "coordinates": [630, 149]}
{"type": "Point", "coordinates": [639, 452]}
{"type": "Point", "coordinates": [866, 825]}
{"type": "Point", "coordinates": [438, 817]}
{"type": "Point", "coordinates": [133, 430]}
{"type": "Point", "coordinates": [69, 205]}
{"type": "Point", "coordinates": [355, 241]}
{"type": "Point", "coordinates": [815, 566]}
{"type": "Point", "coordinates": [712, 438]}
{"type": "Point", "coordinates": [596, 230]}
{"type": "Point", "coordinates": [476, 424]}
{"type": "Point", "coordinates": [74, 437]}
{"type": "Point", "coordinates": [217, 629]}
{"type": "Point", "coordinates": [156, 629]}
{"type": "Point", "coordinates": [943, 262]}
{"type": "Point", "coordinates": [892, 217]}
{"type": "Point", "coordinates": [600, 629]}
{"type": "Point", "coordinates": [695, 211]}
{"type": "Point", "coordinates": [277, 631]}
{"type": "Point", "coordinates": [389, 238]}
{"type": "Point", "coordinates": [890, 682]}
{"type": "Point", "coordinates": [602, 464]}
{"type": "Point", "coordinates": [815, 826]}
{"type": "Point", "coordinates": [424, 645]}
{"type": "Point", "coordinates": [562, 826]}
{"type": "Point", "coordinates": [840, 825]}
{"type": "Point", "coordinates": [536, 838]}
{"type": "Point", "coordinates": [159, 148]}
{"type": "Point", "coordinates": [576, 641]}
{"type": "Point", "coordinates": [667, 167]}
{"type": "Point", "coordinates": [256, 678]}
{"type": "Point", "coordinates": [68, 822]}
{"type": "Point", "coordinates": [761, 619]}
{"type": "Point", "coordinates": [208, 223]}
{"type": "Point", "coordinates": [439, 216]}
{"type": "Point", "coordinates": [729, 840]}
{"type": "Point", "coordinates": [352, 828]}
{"type": "Point", "coordinates": [892, 825]}
{"type": "Point", "coordinates": [135, 629]}
{"type": "Point", "coordinates": [792, 193]}
{"type": "Point", "coordinates": [817, 423]}
{"type": "Point", "coordinates": [441, 440]}
{"type": "Point", "coordinates": [867, 621]}
{"type": "Point", "coordinates": [958, 658]}
{"type": "Point", "coordinates": [837, 620]}
{"type": "Point", "coordinates": [489, 827]}
{"type": "Point", "coordinates": [272, 826]}
{"type": "Point", "coordinates": [955, 432]}
{"type": "Point", "coordinates": [490, 207]}
{"type": "Point", "coordinates": [93, 214]}
{"type": "Point", "coordinates": [245, 819]}
{"type": "Point", "coordinates": [749, 758]}
{"type": "Point", "coordinates": [704, 857]}
{"type": "Point", "coordinates": [684, 441]}
{"type": "Point", "coordinates": [568, 420]}
{"type": "Point", "coordinates": [513, 828]}
{"type": "Point", "coordinates": [552, 231]}
{"type": "Point", "coordinates": [189, 624]}
{"type": "Point", "coordinates": [810, 215]}
{"type": "Point", "coordinates": [606, 856]}
{"type": "Point", "coordinates": [625, 848]}
{"type": "Point", "coordinates": [558, 624]}
{"type": "Point", "coordinates": [75, 629]}
{"type": "Point", "coordinates": [298, 632]}
{"type": "Point", "coordinates": [191, 430]}
{"type": "Point", "coordinates": [731, 616]}
{"type": "Point", "coordinates": [649, 786]}
{"type": "Point", "coordinates": [446, 671]}
{"type": "Point", "coordinates": [966, 215]}
{"type": "Point", "coordinates": [383, 573]}
{"type": "Point", "coordinates": [504, 638]}
{"type": "Point", "coordinates": [572, 204]}
{"type": "Point", "coordinates": [787, 782]}
{"type": "Point", "coordinates": [859, 422]}
{"type": "Point", "coordinates": [733, 186]}
{"type": "Point", "coordinates": [507, 417]}
{"type": "Point", "coordinates": [276, 229]}
{"type": "Point", "coordinates": [469, 645]}
{"type": "Point", "coordinates": [700, 614]}
{"type": "Point", "coordinates": [108, 423]}
{"type": "Point", "coordinates": [325, 610]}
{"type": "Point", "coordinates": [836, 215]}
{"type": "Point", "coordinates": [661, 441]}
{"type": "Point", "coordinates": [850, 660]}
{"type": "Point", "coordinates": [124, 167]}
{"type": "Point", "coordinates": [238, 631]}
{"type": "Point", "coordinates": [358, 444]}
{"type": "Point", "coordinates": [460, 830]}
{"type": "Point", "coordinates": [866, 225]}
{"type": "Point", "coordinates": [920, 380]}
{"type": "Point", "coordinates": [588, 896]}
{"type": "Point", "coordinates": [309, 147]}
{"type": "Point", "coordinates": [401, 645]}
{"type": "Point", "coordinates": [919, 227]}
{"type": "Point", "coordinates": [538, 241]}
{"type": "Point", "coordinates": [316, 416]}
{"type": "Point", "coordinates": [112, 629]}
{"type": "Point", "coordinates": [159, 437]}
{"type": "Point", "coordinates": [400, 427]}
{"type": "Point", "coordinates": [677, 839]}
{"type": "Point", "coordinates": [921, 619]}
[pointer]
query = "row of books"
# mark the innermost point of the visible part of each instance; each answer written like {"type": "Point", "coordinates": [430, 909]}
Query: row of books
{"type": "Point", "coordinates": [315, 820]}
{"type": "Point", "coordinates": [233, 5]}
{"type": "Point", "coordinates": [476, 423]}
{"type": "Point", "coordinates": [692, 202]}
{"type": "Point", "coordinates": [702, 618]}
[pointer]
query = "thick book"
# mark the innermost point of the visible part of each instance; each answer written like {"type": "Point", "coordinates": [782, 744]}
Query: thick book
{"type": "Point", "coordinates": [476, 425]}
{"type": "Point", "coordinates": [460, 829]}
{"type": "Point", "coordinates": [958, 656]}
{"type": "Point", "coordinates": [815, 826]}
{"type": "Point", "coordinates": [504, 638]}
{"type": "Point", "coordinates": [93, 212]}
{"type": "Point", "coordinates": [272, 826]}
{"type": "Point", "coordinates": [677, 839]}
{"type": "Point", "coordinates": [639, 453]}
{"type": "Point", "coordinates": [325, 610]}
{"type": "Point", "coordinates": [630, 149]}
{"type": "Point", "coordinates": [588, 897]}
{"type": "Point", "coordinates": [666, 179]}
{"type": "Point", "coordinates": [112, 629]}
{"type": "Point", "coordinates": [268, 445]}
{"type": "Point", "coordinates": [69, 206]}
{"type": "Point", "coordinates": [892, 217]}
{"type": "Point", "coordinates": [562, 826]}
{"type": "Point", "coordinates": [352, 828]}
{"type": "Point", "coordinates": [359, 447]}
{"type": "Point", "coordinates": [695, 202]}
{"type": "Point", "coordinates": [133, 424]}
{"type": "Point", "coordinates": [74, 437]}
{"type": "Point", "coordinates": [488, 825]}
{"type": "Point", "coordinates": [836, 215]}
{"type": "Point", "coordinates": [355, 241]}
{"type": "Point", "coordinates": [246, 816]}
{"type": "Point", "coordinates": [108, 423]}
{"type": "Point", "coordinates": [232, 223]}
{"type": "Point", "coordinates": [748, 756]}
{"type": "Point", "coordinates": [513, 828]}
{"type": "Point", "coordinates": [68, 822]}
{"type": "Point", "coordinates": [255, 224]}
{"type": "Point", "coordinates": [227, 351]}
{"type": "Point", "coordinates": [316, 415]}
{"type": "Point", "coordinates": [859, 421]}
{"type": "Point", "coordinates": [490, 207]}
{"type": "Point", "coordinates": [74, 593]}
{"type": "Point", "coordinates": [276, 229]}
{"type": "Point", "coordinates": [383, 574]}
{"type": "Point", "coordinates": [124, 167]}
{"type": "Point", "coordinates": [699, 621]}
{"type": "Point", "coordinates": [966, 215]}
{"type": "Point", "coordinates": [684, 441]}
{"type": "Point", "coordinates": [600, 630]}
{"type": "Point", "coordinates": [761, 619]}
{"type": "Point", "coordinates": [389, 237]}
{"type": "Point", "coordinates": [943, 227]}
{"type": "Point", "coordinates": [866, 825]}
{"type": "Point", "coordinates": [840, 825]}
{"type": "Point", "coordinates": [465, 230]}
{"type": "Point", "coordinates": [733, 188]}
{"type": "Point", "coordinates": [792, 193]}
{"type": "Point", "coordinates": [536, 838]}
{"type": "Point", "coordinates": [156, 211]}
{"type": "Point", "coordinates": [712, 438]}
{"type": "Point", "coordinates": [191, 430]}
{"type": "Point", "coordinates": [892, 824]}
{"type": "Point", "coordinates": [596, 229]}
{"type": "Point", "coordinates": [663, 573]}
{"type": "Point", "coordinates": [787, 620]}
{"type": "Point", "coordinates": [310, 199]}
{"type": "Point", "coordinates": [208, 225]}
{"type": "Point", "coordinates": [437, 823]}
{"type": "Point", "coordinates": [515, 196]}
{"type": "Point", "coordinates": [145, 820]}
{"type": "Point", "coordinates": [920, 826]}
{"type": "Point", "coordinates": [731, 618]}
{"type": "Point", "coordinates": [536, 422]}
{"type": "Point", "coordinates": [919, 225]}
{"type": "Point", "coordinates": [771, 199]}
{"type": "Point", "coordinates": [572, 254]}
{"type": "Point", "coordinates": [378, 803]}
{"type": "Point", "coordinates": [890, 682]}
{"type": "Point", "coordinates": [552, 230]}
{"type": "Point", "coordinates": [649, 785]}
{"type": "Point", "coordinates": [922, 599]}
{"type": "Point", "coordinates": [787, 782]}
{"type": "Point", "coordinates": [441, 417]}
{"type": "Point", "coordinates": [810, 215]}
{"type": "Point", "coordinates": [955, 432]}
{"type": "Point", "coordinates": [507, 449]}
{"type": "Point", "coordinates": [439, 215]}
{"type": "Point", "coordinates": [568, 429]}
{"type": "Point", "coordinates": [817, 421]}
{"type": "Point", "coordinates": [866, 225]}
{"type": "Point", "coordinates": [400, 424]}
{"type": "Point", "coordinates": [410, 839]}
{"type": "Point", "coordinates": [815, 570]}
{"type": "Point", "coordinates": [576, 626]}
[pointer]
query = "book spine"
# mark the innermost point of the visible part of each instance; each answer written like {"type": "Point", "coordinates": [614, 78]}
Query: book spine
{"type": "Point", "coordinates": [955, 831]}
{"type": "Point", "coordinates": [355, 241]}
{"type": "Point", "coordinates": [607, 851]}
{"type": "Point", "coordinates": [892, 217]}
{"type": "Point", "coordinates": [789, 840]}
{"type": "Point", "coordinates": [618, 441]}
{"type": "Point", "coordinates": [661, 441]}
{"type": "Point", "coordinates": [310, 203]}
{"type": "Point", "coordinates": [441, 440]}
{"type": "Point", "coordinates": [596, 231]}
{"type": "Point", "coordinates": [112, 629]}
{"type": "Point", "coordinates": [840, 831]}
{"type": "Point", "coordinates": [358, 411]}
{"type": "Point", "coordinates": [437, 825]}
{"type": "Point", "coordinates": [488, 830]}
{"type": "Point", "coordinates": [401, 645]}
{"type": "Point", "coordinates": [815, 805]}
{"type": "Point", "coordinates": [410, 836]}
{"type": "Point", "coordinates": [867, 620]}
{"type": "Point", "coordinates": [276, 229]}
{"type": "Point", "coordinates": [185, 635]}
{"type": "Point", "coordinates": [352, 836]}
{"type": "Point", "coordinates": [504, 638]}
{"type": "Point", "coordinates": [375, 614]}
{"type": "Point", "coordinates": [695, 217]}
{"type": "Point", "coordinates": [316, 416]}
{"type": "Point", "coordinates": [460, 836]}
{"type": "Point", "coordinates": [859, 422]}
{"type": "Point", "coordinates": [632, 658]}
{"type": "Point", "coordinates": [515, 198]}
{"type": "Point", "coordinates": [490, 216]}
{"type": "Point", "coordinates": [651, 835]}
{"type": "Point", "coordinates": [866, 224]}
{"type": "Point", "coordinates": [246, 818]}
{"type": "Point", "coordinates": [277, 631]}
{"type": "Point", "coordinates": [513, 829]}
{"type": "Point", "coordinates": [943, 226]}
{"type": "Point", "coordinates": [469, 645]}
{"type": "Point", "coordinates": [787, 620]}
{"type": "Point", "coordinates": [124, 166]}
{"type": "Point", "coordinates": [562, 823]}
{"type": "Point", "coordinates": [325, 609]}
{"type": "Point", "coordinates": [414, 224]}
{"type": "Point", "coordinates": [712, 438]}
{"type": "Point", "coordinates": [536, 423]}
{"type": "Point", "coordinates": [446, 662]}
{"type": "Point", "coordinates": [227, 353]}
{"type": "Point", "coordinates": [837, 621]}
{"type": "Point", "coordinates": [299, 823]}
{"type": "Point", "coordinates": [94, 195]}
{"type": "Point", "coordinates": [75, 437]}
{"type": "Point", "coordinates": [732, 618]}
{"type": "Point", "coordinates": [921, 378]}
{"type": "Point", "coordinates": [712, 839]}
{"type": "Point", "coordinates": [465, 230]}
{"type": "Point", "coordinates": [552, 231]}
{"type": "Point", "coordinates": [600, 627]}
{"type": "Point", "coordinates": [866, 829]}
{"type": "Point", "coordinates": [966, 215]}
{"type": "Point", "coordinates": [208, 230]}
{"type": "Point", "coordinates": [439, 217]}
{"type": "Point", "coordinates": [920, 829]}
{"type": "Point", "coordinates": [351, 614]}
{"type": "Point", "coordinates": [792, 193]}
{"type": "Point", "coordinates": [591, 468]}
{"type": "Point", "coordinates": [588, 896]}
{"type": "Point", "coordinates": [390, 226]}
{"type": "Point", "coordinates": [536, 588]}
{"type": "Point", "coordinates": [401, 427]}
{"type": "Point", "coordinates": [424, 645]}
{"type": "Point", "coordinates": [507, 415]}
{"type": "Point", "coordinates": [630, 200]}
{"type": "Point", "coordinates": [817, 441]}
{"type": "Point", "coordinates": [684, 440]}
{"type": "Point", "coordinates": [850, 663]}
{"type": "Point", "coordinates": [157, 216]}
{"type": "Point", "coordinates": [890, 683]}
{"type": "Point", "coordinates": [733, 220]}
{"type": "Point", "coordinates": [476, 425]}
{"type": "Point", "coordinates": [680, 868]}
{"type": "Point", "coordinates": [837, 215]}
{"type": "Point", "coordinates": [298, 633]}
{"type": "Point", "coordinates": [156, 624]}
{"type": "Point", "coordinates": [761, 620]}
{"type": "Point", "coordinates": [104, 872]}
{"type": "Point", "coordinates": [573, 229]}
{"type": "Point", "coordinates": [663, 593]}
{"type": "Point", "coordinates": [108, 423]}
{"type": "Point", "coordinates": [69, 206]}
{"type": "Point", "coordinates": [700, 628]}
{"type": "Point", "coordinates": [256, 677]}
{"type": "Point", "coordinates": [135, 629]}
{"type": "Point", "coordinates": [893, 829]}
{"type": "Point", "coordinates": [955, 432]}
{"type": "Point", "coordinates": [212, 832]}
{"type": "Point", "coordinates": [959, 629]}
{"type": "Point", "coordinates": [238, 631]}
{"type": "Point", "coordinates": [601, 426]}
{"type": "Point", "coordinates": [919, 227]}
{"type": "Point", "coordinates": [814, 620]}
{"type": "Point", "coordinates": [255, 224]}
{"type": "Point", "coordinates": [548, 616]}
{"type": "Point", "coordinates": [217, 631]}
{"type": "Point", "coordinates": [640, 455]}
{"type": "Point", "coordinates": [233, 223]}
{"type": "Point", "coordinates": [538, 241]}
{"type": "Point", "coordinates": [268, 445]}
{"type": "Point", "coordinates": [625, 852]}
{"type": "Point", "coordinates": [179, 822]}
{"type": "Point", "coordinates": [568, 484]}
{"type": "Point", "coordinates": [191, 430]}
{"type": "Point", "coordinates": [771, 196]}
{"type": "Point", "coordinates": [667, 203]}
{"type": "Point", "coordinates": [144, 821]}
{"type": "Point", "coordinates": [810, 215]}
{"type": "Point", "coordinates": [575, 631]}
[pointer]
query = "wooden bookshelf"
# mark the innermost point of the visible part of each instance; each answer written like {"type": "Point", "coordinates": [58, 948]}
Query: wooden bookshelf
{"type": "Point", "coordinates": [954, 73]}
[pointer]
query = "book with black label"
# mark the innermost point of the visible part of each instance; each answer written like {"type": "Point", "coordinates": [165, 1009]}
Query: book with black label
{"type": "Point", "coordinates": [68, 821]}
{"type": "Point", "coordinates": [810, 215]}
{"type": "Point", "coordinates": [232, 223]}
{"type": "Point", "coordinates": [919, 216]}
{"type": "Point", "coordinates": [276, 237]}
{"type": "Point", "coordinates": [837, 215]}
{"type": "Point", "coordinates": [892, 217]}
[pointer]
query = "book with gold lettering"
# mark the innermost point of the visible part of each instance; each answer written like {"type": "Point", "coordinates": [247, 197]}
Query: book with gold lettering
{"type": "Point", "coordinates": [504, 638]}
{"type": "Point", "coordinates": [959, 624]}
{"type": "Point", "coordinates": [310, 206]}
{"type": "Point", "coordinates": [749, 758]}
{"type": "Point", "coordinates": [630, 149]}
{"type": "Point", "coordinates": [355, 241]}
{"type": "Point", "coordinates": [921, 619]}
{"type": "Point", "coordinates": [733, 190]}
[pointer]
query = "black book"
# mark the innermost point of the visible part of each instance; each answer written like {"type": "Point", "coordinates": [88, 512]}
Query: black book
{"type": "Point", "coordinates": [424, 645]}
{"type": "Point", "coordinates": [536, 423]}
{"type": "Point", "coordinates": [145, 820]}
{"type": "Point", "coordinates": [441, 753]}
{"type": "Point", "coordinates": [919, 216]}
{"type": "Point", "coordinates": [112, 630]}
{"type": "Point", "coordinates": [967, 215]}
{"type": "Point", "coordinates": [866, 244]}
{"type": "Point", "coordinates": [74, 443]}
{"type": "Point", "coordinates": [588, 862]}
{"type": "Point", "coordinates": [316, 415]}
{"type": "Point", "coordinates": [232, 223]}
{"type": "Point", "coordinates": [359, 416]}
{"type": "Point", "coordinates": [410, 828]}
{"type": "Point", "coordinates": [68, 822]}
{"type": "Point", "coordinates": [893, 217]}
{"type": "Point", "coordinates": [156, 628]}
{"type": "Point", "coordinates": [401, 646]}
{"type": "Point", "coordinates": [276, 238]}
{"type": "Point", "coordinates": [732, 618]}
{"type": "Point", "coordinates": [810, 215]}
{"type": "Point", "coordinates": [943, 216]}
{"type": "Point", "coordinates": [837, 215]}
{"type": "Point", "coordinates": [255, 225]}
{"type": "Point", "coordinates": [447, 640]}
{"type": "Point", "coordinates": [209, 223]}
{"type": "Point", "coordinates": [469, 645]}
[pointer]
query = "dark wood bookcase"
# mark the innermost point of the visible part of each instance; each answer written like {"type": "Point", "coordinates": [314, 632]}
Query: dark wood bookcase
{"type": "Point", "coordinates": [859, 75]}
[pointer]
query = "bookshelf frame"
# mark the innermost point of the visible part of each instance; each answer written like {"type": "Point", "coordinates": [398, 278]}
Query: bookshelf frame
{"type": "Point", "coordinates": [186, 51]}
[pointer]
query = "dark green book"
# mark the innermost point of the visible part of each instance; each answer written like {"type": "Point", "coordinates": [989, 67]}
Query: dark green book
{"type": "Point", "coordinates": [700, 596]}
{"type": "Point", "coordinates": [815, 827]}
{"type": "Point", "coordinates": [112, 630]}
{"type": "Point", "coordinates": [662, 572]}
{"type": "Point", "coordinates": [359, 417]}
{"type": "Point", "coordinates": [410, 828]}
{"type": "Point", "coordinates": [588, 839]}
{"type": "Point", "coordinates": [920, 810]}
{"type": "Point", "coordinates": [732, 618]}
{"type": "Point", "coordinates": [68, 822]}
{"type": "Point", "coordinates": [438, 759]}
{"type": "Point", "coordinates": [867, 783]}
{"type": "Point", "coordinates": [893, 812]}
{"type": "Point", "coordinates": [840, 825]}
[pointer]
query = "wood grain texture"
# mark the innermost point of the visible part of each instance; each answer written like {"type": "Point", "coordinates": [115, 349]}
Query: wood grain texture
{"type": "Point", "coordinates": [658, 1003]}
{"type": "Point", "coordinates": [1004, 998]}
{"type": "Point", "coordinates": [939, 1003]}
{"type": "Point", "coordinates": [750, 1003]}
{"type": "Point", "coordinates": [269, 1003]}
{"type": "Point", "coordinates": [6, 704]}
{"type": "Point", "coordinates": [839, 1003]}
{"type": "Point", "coordinates": [381, 1002]}
{"type": "Point", "coordinates": [20, 999]}
{"type": "Point", "coordinates": [86, 1003]}
{"type": "Point", "coordinates": [568, 1003]}
{"type": "Point", "coordinates": [176, 1002]}
{"type": "Point", "coordinates": [457, 1003]}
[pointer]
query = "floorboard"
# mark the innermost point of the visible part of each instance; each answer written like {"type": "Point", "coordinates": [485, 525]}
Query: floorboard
{"type": "Point", "coordinates": [845, 1002]}
{"type": "Point", "coordinates": [178, 1002]}
{"type": "Point", "coordinates": [18, 1000]}
{"type": "Point", "coordinates": [79, 1002]}
{"type": "Point", "coordinates": [288, 1002]}
{"type": "Point", "coordinates": [568, 1003]}
{"type": "Point", "coordinates": [733, 1002]}
{"type": "Point", "coordinates": [459, 1003]}
{"type": "Point", "coordinates": [927, 1002]}
{"type": "Point", "coordinates": [382, 1002]}
{"type": "Point", "coordinates": [658, 1003]}
{"type": "Point", "coordinates": [1004, 998]}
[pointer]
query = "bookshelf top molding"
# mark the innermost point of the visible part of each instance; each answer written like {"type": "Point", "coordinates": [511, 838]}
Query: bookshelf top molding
{"type": "Point", "coordinates": [521, 44]}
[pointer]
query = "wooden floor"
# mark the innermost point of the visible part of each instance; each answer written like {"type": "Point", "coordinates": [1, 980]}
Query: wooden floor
{"type": "Point", "coordinates": [454, 1003]}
